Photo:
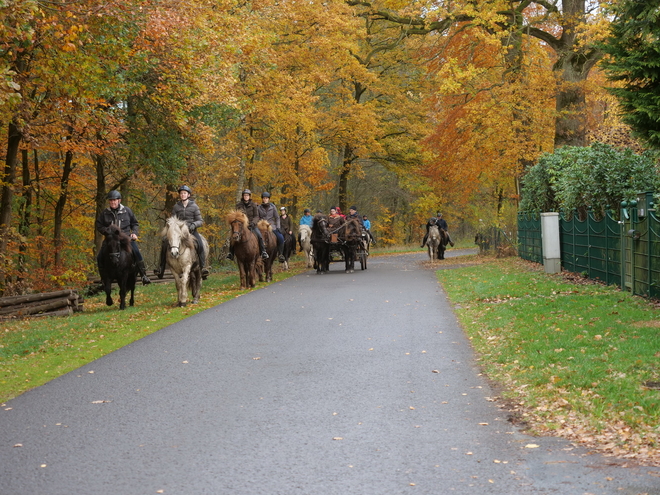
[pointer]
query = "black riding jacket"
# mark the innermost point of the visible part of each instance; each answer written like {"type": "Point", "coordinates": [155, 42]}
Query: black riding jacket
{"type": "Point", "coordinates": [189, 213]}
{"type": "Point", "coordinates": [251, 210]}
{"type": "Point", "coordinates": [122, 217]}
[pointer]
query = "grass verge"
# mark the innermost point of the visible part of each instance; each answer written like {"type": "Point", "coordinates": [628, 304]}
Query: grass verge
{"type": "Point", "coordinates": [580, 360]}
{"type": "Point", "coordinates": [35, 351]}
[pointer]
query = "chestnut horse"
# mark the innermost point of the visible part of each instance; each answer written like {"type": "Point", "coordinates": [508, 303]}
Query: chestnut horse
{"type": "Point", "coordinates": [245, 246]}
{"type": "Point", "coordinates": [265, 268]}
{"type": "Point", "coordinates": [351, 236]}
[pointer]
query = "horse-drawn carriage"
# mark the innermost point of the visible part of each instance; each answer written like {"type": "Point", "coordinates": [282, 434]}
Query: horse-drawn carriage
{"type": "Point", "coordinates": [347, 242]}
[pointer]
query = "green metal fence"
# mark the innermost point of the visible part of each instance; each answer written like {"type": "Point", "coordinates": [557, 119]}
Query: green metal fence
{"type": "Point", "coordinates": [529, 237]}
{"type": "Point", "coordinates": [591, 247]}
{"type": "Point", "coordinates": [624, 252]}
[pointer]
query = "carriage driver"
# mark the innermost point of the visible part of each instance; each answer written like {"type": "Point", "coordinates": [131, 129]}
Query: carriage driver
{"type": "Point", "coordinates": [188, 211]}
{"type": "Point", "coordinates": [251, 211]}
{"type": "Point", "coordinates": [268, 212]}
{"type": "Point", "coordinates": [441, 223]}
{"type": "Point", "coordinates": [122, 216]}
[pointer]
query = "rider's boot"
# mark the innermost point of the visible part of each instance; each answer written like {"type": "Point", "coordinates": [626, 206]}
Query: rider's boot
{"type": "Point", "coordinates": [280, 253]}
{"type": "Point", "coordinates": [143, 272]}
{"type": "Point", "coordinates": [202, 262]}
{"type": "Point", "coordinates": [262, 248]}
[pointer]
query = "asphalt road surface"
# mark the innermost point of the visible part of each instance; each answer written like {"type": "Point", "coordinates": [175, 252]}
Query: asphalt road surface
{"type": "Point", "coordinates": [340, 383]}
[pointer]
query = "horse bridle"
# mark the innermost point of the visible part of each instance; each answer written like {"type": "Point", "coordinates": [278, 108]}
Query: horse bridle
{"type": "Point", "coordinates": [239, 232]}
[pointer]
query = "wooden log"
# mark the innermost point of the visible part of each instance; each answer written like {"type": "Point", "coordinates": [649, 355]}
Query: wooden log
{"type": "Point", "coordinates": [11, 300]}
{"type": "Point", "coordinates": [37, 308]}
{"type": "Point", "coordinates": [61, 312]}
{"type": "Point", "coordinates": [60, 302]}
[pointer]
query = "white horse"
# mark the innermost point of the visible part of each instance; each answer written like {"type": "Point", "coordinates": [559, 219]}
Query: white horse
{"type": "Point", "coordinates": [433, 242]}
{"type": "Point", "coordinates": [305, 242]}
{"type": "Point", "coordinates": [183, 260]}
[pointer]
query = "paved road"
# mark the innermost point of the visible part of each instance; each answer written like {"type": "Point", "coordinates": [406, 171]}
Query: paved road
{"type": "Point", "coordinates": [319, 385]}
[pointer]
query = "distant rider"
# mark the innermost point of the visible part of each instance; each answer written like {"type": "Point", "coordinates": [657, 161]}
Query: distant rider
{"type": "Point", "coordinates": [251, 211]}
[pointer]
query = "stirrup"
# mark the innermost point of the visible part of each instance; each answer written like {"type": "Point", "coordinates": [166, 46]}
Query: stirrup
{"type": "Point", "coordinates": [145, 280]}
{"type": "Point", "coordinates": [264, 255]}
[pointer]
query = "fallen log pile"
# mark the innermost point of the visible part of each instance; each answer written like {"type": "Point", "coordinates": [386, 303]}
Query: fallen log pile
{"type": "Point", "coordinates": [167, 277]}
{"type": "Point", "coordinates": [58, 303]}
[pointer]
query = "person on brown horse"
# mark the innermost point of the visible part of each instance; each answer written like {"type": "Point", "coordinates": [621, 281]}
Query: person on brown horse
{"type": "Point", "coordinates": [123, 217]}
{"type": "Point", "coordinates": [268, 212]}
{"type": "Point", "coordinates": [441, 223]}
{"type": "Point", "coordinates": [187, 210]}
{"type": "Point", "coordinates": [251, 211]}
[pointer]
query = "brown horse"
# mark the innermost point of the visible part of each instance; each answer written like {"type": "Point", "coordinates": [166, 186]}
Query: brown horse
{"type": "Point", "coordinates": [351, 236]}
{"type": "Point", "coordinates": [246, 248]}
{"type": "Point", "coordinates": [270, 243]}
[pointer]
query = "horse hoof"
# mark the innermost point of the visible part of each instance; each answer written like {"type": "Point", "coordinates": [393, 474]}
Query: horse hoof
{"type": "Point", "coordinates": [182, 304]}
{"type": "Point", "coordinates": [108, 302]}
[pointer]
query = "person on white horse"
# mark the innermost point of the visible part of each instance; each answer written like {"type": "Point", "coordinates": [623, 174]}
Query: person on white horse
{"type": "Point", "coordinates": [122, 216]}
{"type": "Point", "coordinates": [186, 209]}
{"type": "Point", "coordinates": [306, 219]}
{"type": "Point", "coordinates": [441, 223]}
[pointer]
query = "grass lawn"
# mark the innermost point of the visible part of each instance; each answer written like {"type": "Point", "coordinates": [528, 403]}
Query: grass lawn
{"type": "Point", "coordinates": [577, 359]}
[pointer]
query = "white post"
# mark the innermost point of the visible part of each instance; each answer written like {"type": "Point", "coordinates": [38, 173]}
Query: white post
{"type": "Point", "coordinates": [550, 242]}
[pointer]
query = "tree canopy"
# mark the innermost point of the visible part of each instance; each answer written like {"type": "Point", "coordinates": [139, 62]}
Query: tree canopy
{"type": "Point", "coordinates": [400, 108]}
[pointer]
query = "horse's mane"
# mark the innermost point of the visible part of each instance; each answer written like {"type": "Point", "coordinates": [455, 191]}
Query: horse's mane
{"type": "Point", "coordinates": [232, 216]}
{"type": "Point", "coordinates": [264, 225]}
{"type": "Point", "coordinates": [124, 240]}
{"type": "Point", "coordinates": [174, 222]}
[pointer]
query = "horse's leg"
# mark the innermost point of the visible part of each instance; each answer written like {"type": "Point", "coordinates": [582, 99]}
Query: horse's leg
{"type": "Point", "coordinates": [123, 282]}
{"type": "Point", "coordinates": [183, 288]}
{"type": "Point", "coordinates": [107, 287]}
{"type": "Point", "coordinates": [196, 284]}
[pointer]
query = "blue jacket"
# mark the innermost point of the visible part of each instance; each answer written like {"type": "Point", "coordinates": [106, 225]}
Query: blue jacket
{"type": "Point", "coordinates": [306, 220]}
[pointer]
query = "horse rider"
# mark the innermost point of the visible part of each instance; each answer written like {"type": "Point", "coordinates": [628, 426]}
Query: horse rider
{"type": "Point", "coordinates": [123, 217]}
{"type": "Point", "coordinates": [187, 210]}
{"type": "Point", "coordinates": [268, 212]}
{"type": "Point", "coordinates": [286, 224]}
{"type": "Point", "coordinates": [251, 211]}
{"type": "Point", "coordinates": [306, 219]}
{"type": "Point", "coordinates": [441, 224]}
{"type": "Point", "coordinates": [367, 226]}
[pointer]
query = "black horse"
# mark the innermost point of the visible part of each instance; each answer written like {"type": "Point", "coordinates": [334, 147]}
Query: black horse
{"type": "Point", "coordinates": [319, 240]}
{"type": "Point", "coordinates": [116, 264]}
{"type": "Point", "coordinates": [289, 248]}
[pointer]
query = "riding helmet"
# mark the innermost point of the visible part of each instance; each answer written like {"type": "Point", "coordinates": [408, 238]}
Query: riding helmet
{"type": "Point", "coordinates": [185, 188]}
{"type": "Point", "coordinates": [283, 208]}
{"type": "Point", "coordinates": [114, 195]}
{"type": "Point", "coordinates": [265, 194]}
{"type": "Point", "coordinates": [246, 191]}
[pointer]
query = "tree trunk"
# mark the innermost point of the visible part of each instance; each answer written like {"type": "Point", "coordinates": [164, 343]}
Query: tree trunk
{"type": "Point", "coordinates": [59, 207]}
{"type": "Point", "coordinates": [343, 176]}
{"type": "Point", "coordinates": [14, 138]}
{"type": "Point", "coordinates": [25, 209]}
{"type": "Point", "coordinates": [99, 200]}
